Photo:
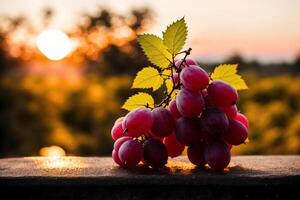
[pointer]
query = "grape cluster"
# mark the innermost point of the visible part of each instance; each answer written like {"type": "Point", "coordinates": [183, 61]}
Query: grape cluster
{"type": "Point", "coordinates": [203, 116]}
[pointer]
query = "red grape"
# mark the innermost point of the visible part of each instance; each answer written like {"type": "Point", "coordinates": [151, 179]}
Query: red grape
{"type": "Point", "coordinates": [155, 153]}
{"type": "Point", "coordinates": [189, 104]}
{"type": "Point", "coordinates": [230, 111]}
{"type": "Point", "coordinates": [242, 118]}
{"type": "Point", "coordinates": [221, 94]}
{"type": "Point", "coordinates": [173, 108]}
{"type": "Point", "coordinates": [131, 153]}
{"type": "Point", "coordinates": [217, 155]}
{"type": "Point", "coordinates": [188, 131]}
{"type": "Point", "coordinates": [148, 134]}
{"type": "Point", "coordinates": [236, 134]}
{"type": "Point", "coordinates": [116, 158]}
{"type": "Point", "coordinates": [187, 62]}
{"type": "Point", "coordinates": [117, 130]}
{"type": "Point", "coordinates": [120, 141]}
{"type": "Point", "coordinates": [230, 146]}
{"type": "Point", "coordinates": [196, 154]}
{"type": "Point", "coordinates": [120, 119]}
{"type": "Point", "coordinates": [204, 92]}
{"type": "Point", "coordinates": [194, 78]}
{"type": "Point", "coordinates": [163, 122]}
{"type": "Point", "coordinates": [175, 78]}
{"type": "Point", "coordinates": [174, 147]}
{"type": "Point", "coordinates": [138, 122]}
{"type": "Point", "coordinates": [214, 122]}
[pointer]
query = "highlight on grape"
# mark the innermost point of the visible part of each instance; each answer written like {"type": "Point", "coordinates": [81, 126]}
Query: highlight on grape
{"type": "Point", "coordinates": [199, 110]}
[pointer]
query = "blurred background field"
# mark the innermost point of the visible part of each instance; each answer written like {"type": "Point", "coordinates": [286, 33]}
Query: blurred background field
{"type": "Point", "coordinates": [70, 99]}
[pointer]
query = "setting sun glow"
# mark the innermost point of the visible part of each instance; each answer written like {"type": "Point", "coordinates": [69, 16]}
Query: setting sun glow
{"type": "Point", "coordinates": [54, 44]}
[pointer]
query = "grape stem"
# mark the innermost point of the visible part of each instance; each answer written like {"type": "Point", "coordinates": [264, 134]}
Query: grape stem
{"type": "Point", "coordinates": [166, 100]}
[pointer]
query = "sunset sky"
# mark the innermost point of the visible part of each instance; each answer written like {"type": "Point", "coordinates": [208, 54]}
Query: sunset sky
{"type": "Point", "coordinates": [267, 30]}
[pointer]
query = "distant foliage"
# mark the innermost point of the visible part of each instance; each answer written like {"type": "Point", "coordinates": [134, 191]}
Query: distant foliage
{"type": "Point", "coordinates": [273, 109]}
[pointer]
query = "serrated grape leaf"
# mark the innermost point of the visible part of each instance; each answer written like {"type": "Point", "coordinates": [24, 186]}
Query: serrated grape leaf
{"type": "Point", "coordinates": [169, 86]}
{"type": "Point", "coordinates": [228, 73]}
{"type": "Point", "coordinates": [155, 50]}
{"type": "Point", "coordinates": [175, 36]}
{"type": "Point", "coordinates": [166, 73]}
{"type": "Point", "coordinates": [148, 77]}
{"type": "Point", "coordinates": [138, 100]}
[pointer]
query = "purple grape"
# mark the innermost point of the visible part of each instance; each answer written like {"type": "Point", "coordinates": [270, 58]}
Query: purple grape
{"type": "Point", "coordinates": [120, 141]}
{"type": "Point", "coordinates": [137, 122]}
{"type": "Point", "coordinates": [214, 122]}
{"type": "Point", "coordinates": [196, 154]}
{"type": "Point", "coordinates": [175, 78]}
{"type": "Point", "coordinates": [131, 153]}
{"type": "Point", "coordinates": [230, 111]}
{"type": "Point", "coordinates": [163, 122]}
{"type": "Point", "coordinates": [149, 134]}
{"type": "Point", "coordinates": [189, 104]}
{"type": "Point", "coordinates": [194, 78]}
{"type": "Point", "coordinates": [187, 62]}
{"type": "Point", "coordinates": [155, 153]}
{"type": "Point", "coordinates": [173, 108]}
{"type": "Point", "coordinates": [116, 158]}
{"type": "Point", "coordinates": [117, 130]}
{"type": "Point", "coordinates": [204, 93]}
{"type": "Point", "coordinates": [221, 94]}
{"type": "Point", "coordinates": [217, 155]}
{"type": "Point", "coordinates": [174, 147]}
{"type": "Point", "coordinates": [188, 131]}
{"type": "Point", "coordinates": [237, 133]}
{"type": "Point", "coordinates": [242, 118]}
{"type": "Point", "coordinates": [120, 119]}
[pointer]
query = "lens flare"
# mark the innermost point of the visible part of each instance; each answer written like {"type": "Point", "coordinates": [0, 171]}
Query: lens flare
{"type": "Point", "coordinates": [52, 151]}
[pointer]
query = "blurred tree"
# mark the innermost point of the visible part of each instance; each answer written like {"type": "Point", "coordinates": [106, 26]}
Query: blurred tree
{"type": "Point", "coordinates": [296, 65]}
{"type": "Point", "coordinates": [40, 110]}
{"type": "Point", "coordinates": [107, 41]}
{"type": "Point", "coordinates": [7, 62]}
{"type": "Point", "coordinates": [236, 58]}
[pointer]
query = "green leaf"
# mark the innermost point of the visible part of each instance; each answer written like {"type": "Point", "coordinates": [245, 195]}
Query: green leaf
{"type": "Point", "coordinates": [169, 86]}
{"type": "Point", "coordinates": [228, 73]}
{"type": "Point", "coordinates": [138, 100]}
{"type": "Point", "coordinates": [175, 36]}
{"type": "Point", "coordinates": [148, 77]}
{"type": "Point", "coordinates": [155, 50]}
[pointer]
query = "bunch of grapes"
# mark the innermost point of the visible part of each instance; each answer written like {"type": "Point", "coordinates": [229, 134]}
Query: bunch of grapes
{"type": "Point", "coordinates": [203, 116]}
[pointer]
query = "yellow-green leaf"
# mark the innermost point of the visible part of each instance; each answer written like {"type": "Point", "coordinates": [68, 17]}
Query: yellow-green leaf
{"type": "Point", "coordinates": [155, 50]}
{"type": "Point", "coordinates": [175, 35]}
{"type": "Point", "coordinates": [169, 86]}
{"type": "Point", "coordinates": [228, 73]}
{"type": "Point", "coordinates": [148, 77]}
{"type": "Point", "coordinates": [166, 72]}
{"type": "Point", "coordinates": [138, 100]}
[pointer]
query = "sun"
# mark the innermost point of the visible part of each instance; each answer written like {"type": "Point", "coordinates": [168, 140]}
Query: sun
{"type": "Point", "coordinates": [54, 44]}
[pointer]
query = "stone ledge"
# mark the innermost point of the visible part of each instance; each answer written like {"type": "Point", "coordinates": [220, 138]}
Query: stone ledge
{"type": "Point", "coordinates": [258, 170]}
{"type": "Point", "coordinates": [93, 177]}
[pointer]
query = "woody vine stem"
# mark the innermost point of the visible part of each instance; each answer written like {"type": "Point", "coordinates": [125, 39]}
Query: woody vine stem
{"type": "Point", "coordinates": [166, 100]}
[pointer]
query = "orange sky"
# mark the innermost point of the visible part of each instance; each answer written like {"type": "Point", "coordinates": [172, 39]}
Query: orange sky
{"type": "Point", "coordinates": [268, 30]}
